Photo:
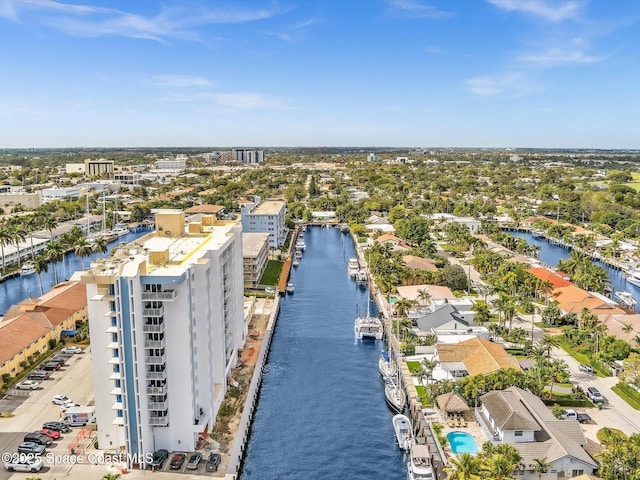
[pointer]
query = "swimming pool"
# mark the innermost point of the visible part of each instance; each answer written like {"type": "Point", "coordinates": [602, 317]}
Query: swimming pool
{"type": "Point", "coordinates": [462, 442]}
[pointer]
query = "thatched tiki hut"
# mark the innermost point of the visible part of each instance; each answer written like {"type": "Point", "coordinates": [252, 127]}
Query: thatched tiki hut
{"type": "Point", "coordinates": [452, 406]}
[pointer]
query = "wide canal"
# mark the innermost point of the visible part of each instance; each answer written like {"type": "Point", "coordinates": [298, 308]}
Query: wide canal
{"type": "Point", "coordinates": [16, 289]}
{"type": "Point", "coordinates": [322, 412]}
{"type": "Point", "coordinates": [551, 254]}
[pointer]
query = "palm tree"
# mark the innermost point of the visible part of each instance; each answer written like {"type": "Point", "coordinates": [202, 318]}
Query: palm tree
{"type": "Point", "coordinates": [41, 264]}
{"type": "Point", "coordinates": [5, 238]}
{"type": "Point", "coordinates": [499, 467]}
{"type": "Point", "coordinates": [50, 222]}
{"type": "Point", "coordinates": [424, 295]}
{"type": "Point", "coordinates": [55, 253]}
{"type": "Point", "coordinates": [82, 249]}
{"type": "Point", "coordinates": [428, 364]}
{"type": "Point", "coordinates": [541, 465]}
{"type": "Point", "coordinates": [549, 342]}
{"type": "Point", "coordinates": [402, 306]}
{"type": "Point", "coordinates": [100, 245]}
{"type": "Point", "coordinates": [31, 223]}
{"type": "Point", "coordinates": [18, 235]}
{"type": "Point", "coordinates": [463, 467]}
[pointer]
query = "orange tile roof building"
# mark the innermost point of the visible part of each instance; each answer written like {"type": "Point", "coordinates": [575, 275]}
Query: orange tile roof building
{"type": "Point", "coordinates": [473, 357]}
{"type": "Point", "coordinates": [27, 328]}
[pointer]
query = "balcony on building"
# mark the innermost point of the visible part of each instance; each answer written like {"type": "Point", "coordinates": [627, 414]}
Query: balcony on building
{"type": "Point", "coordinates": [164, 296]}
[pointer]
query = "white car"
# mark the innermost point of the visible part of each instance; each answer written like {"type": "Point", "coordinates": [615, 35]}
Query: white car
{"type": "Point", "coordinates": [68, 405]}
{"type": "Point", "coordinates": [27, 385]}
{"type": "Point", "coordinates": [71, 350]}
{"type": "Point", "coordinates": [61, 399]}
{"type": "Point", "coordinates": [26, 464]}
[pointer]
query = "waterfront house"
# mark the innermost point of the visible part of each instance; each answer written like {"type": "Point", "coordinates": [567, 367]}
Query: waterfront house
{"type": "Point", "coordinates": [473, 357]}
{"type": "Point", "coordinates": [449, 325]}
{"type": "Point", "coordinates": [396, 243]}
{"type": "Point", "coordinates": [519, 418]}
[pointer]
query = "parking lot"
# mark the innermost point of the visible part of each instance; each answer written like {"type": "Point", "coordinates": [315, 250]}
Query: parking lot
{"type": "Point", "coordinates": [32, 408]}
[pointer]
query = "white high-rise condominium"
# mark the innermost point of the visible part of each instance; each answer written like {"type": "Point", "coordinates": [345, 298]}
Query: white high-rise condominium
{"type": "Point", "coordinates": [166, 321]}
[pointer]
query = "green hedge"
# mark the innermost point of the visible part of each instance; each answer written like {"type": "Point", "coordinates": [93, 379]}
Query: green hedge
{"type": "Point", "coordinates": [628, 394]}
{"type": "Point", "coordinates": [569, 402]}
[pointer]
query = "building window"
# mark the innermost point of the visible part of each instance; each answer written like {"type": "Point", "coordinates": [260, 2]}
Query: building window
{"type": "Point", "coordinates": [518, 433]}
{"type": "Point", "coordinates": [575, 473]}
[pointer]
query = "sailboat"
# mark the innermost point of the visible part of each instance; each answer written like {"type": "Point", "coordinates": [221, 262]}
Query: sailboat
{"type": "Point", "coordinates": [394, 394]}
{"type": "Point", "coordinates": [368, 327]}
{"type": "Point", "coordinates": [386, 366]}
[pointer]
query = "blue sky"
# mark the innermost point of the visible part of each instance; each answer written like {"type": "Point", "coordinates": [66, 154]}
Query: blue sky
{"type": "Point", "coordinates": [405, 73]}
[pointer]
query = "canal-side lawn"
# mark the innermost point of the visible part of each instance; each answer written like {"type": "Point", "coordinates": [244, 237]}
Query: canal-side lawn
{"type": "Point", "coordinates": [271, 273]}
{"type": "Point", "coordinates": [599, 369]}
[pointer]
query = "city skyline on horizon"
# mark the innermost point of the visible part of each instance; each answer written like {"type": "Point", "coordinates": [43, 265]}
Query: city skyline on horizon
{"type": "Point", "coordinates": [548, 74]}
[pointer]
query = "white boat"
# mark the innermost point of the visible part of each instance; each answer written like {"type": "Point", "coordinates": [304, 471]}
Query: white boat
{"type": "Point", "coordinates": [386, 366]}
{"type": "Point", "coordinates": [537, 233]}
{"type": "Point", "coordinates": [419, 466]}
{"type": "Point", "coordinates": [353, 267]}
{"type": "Point", "coordinates": [394, 395]}
{"type": "Point", "coordinates": [295, 262]}
{"type": "Point", "coordinates": [298, 254]}
{"type": "Point", "coordinates": [362, 275]}
{"type": "Point", "coordinates": [626, 299]}
{"type": "Point", "coordinates": [404, 432]}
{"type": "Point", "coordinates": [368, 326]}
{"type": "Point", "coordinates": [633, 277]}
{"type": "Point", "coordinates": [27, 269]}
{"type": "Point", "coordinates": [300, 244]}
{"type": "Point", "coordinates": [344, 228]}
{"type": "Point", "coordinates": [304, 228]}
{"type": "Point", "coordinates": [290, 288]}
{"type": "Point", "coordinates": [119, 230]}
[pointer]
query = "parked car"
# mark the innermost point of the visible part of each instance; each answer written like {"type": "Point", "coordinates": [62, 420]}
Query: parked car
{"type": "Point", "coordinates": [586, 369]}
{"type": "Point", "coordinates": [27, 385]}
{"type": "Point", "coordinates": [194, 460]}
{"type": "Point", "coordinates": [159, 456]}
{"type": "Point", "coordinates": [59, 360]}
{"type": "Point", "coordinates": [52, 434]}
{"type": "Point", "coordinates": [57, 426]}
{"type": "Point", "coordinates": [270, 290]}
{"type": "Point", "coordinates": [177, 460]}
{"type": "Point", "coordinates": [51, 366]}
{"type": "Point", "coordinates": [37, 437]}
{"type": "Point", "coordinates": [213, 462]}
{"type": "Point", "coordinates": [584, 418]}
{"type": "Point", "coordinates": [594, 395]}
{"type": "Point", "coordinates": [60, 399]}
{"type": "Point", "coordinates": [570, 414]}
{"type": "Point", "coordinates": [32, 465]}
{"type": "Point", "coordinates": [30, 447]}
{"type": "Point", "coordinates": [71, 350]}
{"type": "Point", "coordinates": [69, 405]}
{"type": "Point", "coordinates": [39, 375]}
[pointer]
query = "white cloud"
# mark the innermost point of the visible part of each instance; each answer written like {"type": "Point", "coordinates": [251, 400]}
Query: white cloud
{"type": "Point", "coordinates": [89, 21]}
{"type": "Point", "coordinates": [415, 8]}
{"type": "Point", "coordinates": [514, 84]}
{"type": "Point", "coordinates": [179, 81]}
{"type": "Point", "coordinates": [559, 56]}
{"type": "Point", "coordinates": [549, 11]}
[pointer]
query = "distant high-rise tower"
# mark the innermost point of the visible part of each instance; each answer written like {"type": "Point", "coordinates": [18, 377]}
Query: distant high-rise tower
{"type": "Point", "coordinates": [166, 320]}
{"type": "Point", "coordinates": [247, 155]}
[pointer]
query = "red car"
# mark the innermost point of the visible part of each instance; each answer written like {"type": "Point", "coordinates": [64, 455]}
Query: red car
{"type": "Point", "coordinates": [52, 434]}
